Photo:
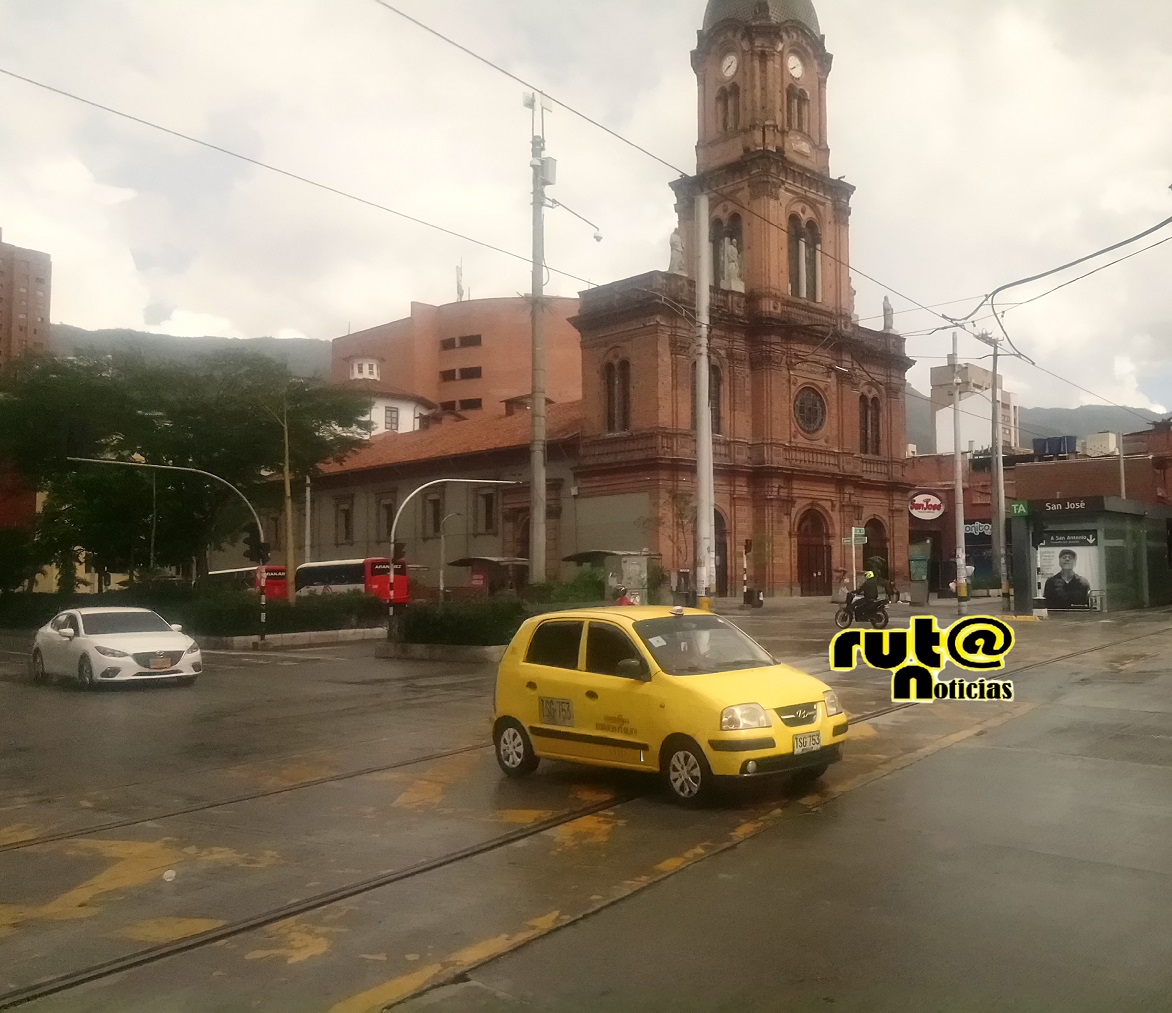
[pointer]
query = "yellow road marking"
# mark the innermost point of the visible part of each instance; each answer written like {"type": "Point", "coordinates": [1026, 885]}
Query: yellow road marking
{"type": "Point", "coordinates": [17, 833]}
{"type": "Point", "coordinates": [467, 959]}
{"type": "Point", "coordinates": [595, 829]}
{"type": "Point", "coordinates": [524, 817]}
{"type": "Point", "coordinates": [167, 930]}
{"type": "Point", "coordinates": [428, 791]}
{"type": "Point", "coordinates": [136, 863]}
{"type": "Point", "coordinates": [296, 941]}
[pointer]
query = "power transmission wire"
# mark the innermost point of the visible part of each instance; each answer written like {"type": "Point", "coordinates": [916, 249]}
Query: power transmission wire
{"type": "Point", "coordinates": [284, 172]}
{"type": "Point", "coordinates": [724, 195]}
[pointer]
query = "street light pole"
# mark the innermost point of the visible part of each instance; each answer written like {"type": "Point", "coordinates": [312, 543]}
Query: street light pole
{"type": "Point", "coordinates": [207, 474]}
{"type": "Point", "coordinates": [443, 551]}
{"type": "Point", "coordinates": [1000, 550]}
{"type": "Point", "coordinates": [958, 482]}
{"type": "Point", "coordinates": [542, 176]}
{"type": "Point", "coordinates": [705, 492]}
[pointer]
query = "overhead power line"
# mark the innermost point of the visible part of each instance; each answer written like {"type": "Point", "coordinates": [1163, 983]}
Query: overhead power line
{"type": "Point", "coordinates": [724, 195]}
{"type": "Point", "coordinates": [283, 172]}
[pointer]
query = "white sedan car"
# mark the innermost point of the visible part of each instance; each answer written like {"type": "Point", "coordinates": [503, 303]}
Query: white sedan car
{"type": "Point", "coordinates": [100, 645]}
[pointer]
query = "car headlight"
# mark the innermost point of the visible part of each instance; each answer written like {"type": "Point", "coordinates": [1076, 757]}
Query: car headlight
{"type": "Point", "coordinates": [832, 705]}
{"type": "Point", "coordinates": [193, 649]}
{"type": "Point", "coordinates": [109, 652]}
{"type": "Point", "coordinates": [744, 715]}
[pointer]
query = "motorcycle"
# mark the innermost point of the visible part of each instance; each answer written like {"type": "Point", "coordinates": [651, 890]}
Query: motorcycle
{"type": "Point", "coordinates": [858, 608]}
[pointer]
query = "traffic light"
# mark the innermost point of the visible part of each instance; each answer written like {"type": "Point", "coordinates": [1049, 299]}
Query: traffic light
{"type": "Point", "coordinates": [256, 551]}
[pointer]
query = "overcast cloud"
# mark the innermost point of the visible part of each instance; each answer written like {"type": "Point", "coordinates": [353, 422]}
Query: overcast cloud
{"type": "Point", "coordinates": [988, 139]}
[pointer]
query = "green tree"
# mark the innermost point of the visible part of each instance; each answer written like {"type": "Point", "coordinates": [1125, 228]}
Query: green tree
{"type": "Point", "coordinates": [21, 558]}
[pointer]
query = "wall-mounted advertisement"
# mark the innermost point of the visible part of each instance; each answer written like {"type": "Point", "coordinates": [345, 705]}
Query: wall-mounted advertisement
{"type": "Point", "coordinates": [1069, 570]}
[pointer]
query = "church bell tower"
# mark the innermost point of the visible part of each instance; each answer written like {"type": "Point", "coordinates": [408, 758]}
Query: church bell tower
{"type": "Point", "coordinates": [780, 223]}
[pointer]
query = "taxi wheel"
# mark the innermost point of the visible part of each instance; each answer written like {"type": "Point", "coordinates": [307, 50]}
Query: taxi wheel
{"type": "Point", "coordinates": [514, 751]}
{"type": "Point", "coordinates": [685, 772]}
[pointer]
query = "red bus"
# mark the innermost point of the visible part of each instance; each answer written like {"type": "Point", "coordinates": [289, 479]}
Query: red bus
{"type": "Point", "coordinates": [339, 576]}
{"type": "Point", "coordinates": [248, 578]}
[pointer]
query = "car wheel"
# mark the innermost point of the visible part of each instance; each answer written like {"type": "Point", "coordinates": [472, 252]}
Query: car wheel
{"type": "Point", "coordinates": [40, 676]}
{"type": "Point", "coordinates": [843, 618]}
{"type": "Point", "coordinates": [85, 673]}
{"type": "Point", "coordinates": [807, 777]}
{"type": "Point", "coordinates": [187, 680]}
{"type": "Point", "coordinates": [880, 619]}
{"type": "Point", "coordinates": [685, 772]}
{"type": "Point", "coordinates": [514, 751]}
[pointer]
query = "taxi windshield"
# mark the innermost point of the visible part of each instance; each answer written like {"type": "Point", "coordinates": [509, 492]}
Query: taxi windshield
{"type": "Point", "coordinates": [700, 645]}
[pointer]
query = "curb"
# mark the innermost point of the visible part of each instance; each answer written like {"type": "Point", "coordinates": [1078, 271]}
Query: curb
{"type": "Point", "coordinates": [439, 652]}
{"type": "Point", "coordinates": [253, 643]}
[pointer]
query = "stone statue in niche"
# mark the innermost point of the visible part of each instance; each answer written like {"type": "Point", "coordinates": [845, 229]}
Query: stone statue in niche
{"type": "Point", "coordinates": [888, 316]}
{"type": "Point", "coordinates": [676, 266]}
{"type": "Point", "coordinates": [854, 305]}
{"type": "Point", "coordinates": [732, 277]}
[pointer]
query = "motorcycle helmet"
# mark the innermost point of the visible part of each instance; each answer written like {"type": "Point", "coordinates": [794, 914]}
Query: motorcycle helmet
{"type": "Point", "coordinates": [869, 574]}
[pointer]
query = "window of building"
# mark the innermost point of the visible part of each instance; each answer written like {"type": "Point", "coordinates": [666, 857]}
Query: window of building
{"type": "Point", "coordinates": [810, 411]}
{"type": "Point", "coordinates": [471, 373]}
{"type": "Point", "coordinates": [447, 344]}
{"type": "Point", "coordinates": [813, 243]}
{"type": "Point", "coordinates": [722, 111]}
{"type": "Point", "coordinates": [447, 375]}
{"type": "Point", "coordinates": [391, 419]}
{"type": "Point", "coordinates": [797, 109]}
{"type": "Point", "coordinates": [470, 341]}
{"type": "Point", "coordinates": [344, 521]}
{"type": "Point", "coordinates": [472, 404]}
{"type": "Point", "coordinates": [485, 520]}
{"type": "Point", "coordinates": [617, 379]}
{"type": "Point", "coordinates": [387, 505]}
{"type": "Point", "coordinates": [555, 645]}
{"type": "Point", "coordinates": [275, 531]}
{"type": "Point", "coordinates": [870, 416]}
{"type": "Point", "coordinates": [433, 515]}
{"type": "Point", "coordinates": [715, 397]}
{"type": "Point", "coordinates": [448, 406]}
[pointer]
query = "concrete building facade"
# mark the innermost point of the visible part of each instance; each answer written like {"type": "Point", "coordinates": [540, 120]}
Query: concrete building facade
{"type": "Point", "coordinates": [26, 279]}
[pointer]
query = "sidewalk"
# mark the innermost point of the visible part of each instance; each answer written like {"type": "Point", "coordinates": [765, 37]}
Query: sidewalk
{"type": "Point", "coordinates": [802, 609]}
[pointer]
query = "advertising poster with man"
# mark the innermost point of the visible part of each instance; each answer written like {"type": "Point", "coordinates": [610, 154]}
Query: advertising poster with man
{"type": "Point", "coordinates": [1069, 570]}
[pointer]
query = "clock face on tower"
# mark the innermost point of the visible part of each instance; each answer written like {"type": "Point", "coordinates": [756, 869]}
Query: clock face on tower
{"type": "Point", "coordinates": [728, 66]}
{"type": "Point", "coordinates": [795, 66]}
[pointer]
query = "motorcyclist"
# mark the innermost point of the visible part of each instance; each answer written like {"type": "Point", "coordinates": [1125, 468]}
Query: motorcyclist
{"type": "Point", "coordinates": [869, 592]}
{"type": "Point", "coordinates": [621, 596]}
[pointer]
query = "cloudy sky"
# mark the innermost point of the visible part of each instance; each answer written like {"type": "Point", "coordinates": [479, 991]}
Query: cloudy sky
{"type": "Point", "coordinates": [988, 139]}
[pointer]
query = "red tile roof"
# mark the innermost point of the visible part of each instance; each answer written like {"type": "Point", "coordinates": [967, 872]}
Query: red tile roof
{"type": "Point", "coordinates": [459, 439]}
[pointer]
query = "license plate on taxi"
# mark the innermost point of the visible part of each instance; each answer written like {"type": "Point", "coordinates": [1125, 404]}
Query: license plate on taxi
{"type": "Point", "coordinates": [557, 712]}
{"type": "Point", "coordinates": [160, 664]}
{"type": "Point", "coordinates": [810, 742]}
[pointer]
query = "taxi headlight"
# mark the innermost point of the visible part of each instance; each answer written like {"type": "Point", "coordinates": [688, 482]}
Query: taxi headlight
{"type": "Point", "coordinates": [193, 649]}
{"type": "Point", "coordinates": [832, 705]}
{"type": "Point", "coordinates": [744, 715]}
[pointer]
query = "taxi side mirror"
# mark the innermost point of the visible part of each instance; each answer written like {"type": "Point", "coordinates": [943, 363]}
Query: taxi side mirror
{"type": "Point", "coordinates": [177, 627]}
{"type": "Point", "coordinates": [633, 668]}
{"type": "Point", "coordinates": [66, 634]}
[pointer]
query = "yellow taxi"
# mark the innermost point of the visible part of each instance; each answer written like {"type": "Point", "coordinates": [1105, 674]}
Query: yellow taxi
{"type": "Point", "coordinates": [676, 691]}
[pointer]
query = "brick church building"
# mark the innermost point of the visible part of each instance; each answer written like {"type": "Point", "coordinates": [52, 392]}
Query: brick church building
{"type": "Point", "coordinates": [807, 405]}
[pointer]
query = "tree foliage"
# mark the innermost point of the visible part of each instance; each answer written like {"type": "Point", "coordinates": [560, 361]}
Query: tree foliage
{"type": "Point", "coordinates": [21, 558]}
{"type": "Point", "coordinates": [224, 414]}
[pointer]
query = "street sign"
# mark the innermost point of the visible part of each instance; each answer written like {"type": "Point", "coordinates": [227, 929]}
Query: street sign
{"type": "Point", "coordinates": [1021, 510]}
{"type": "Point", "coordinates": [854, 541]}
{"type": "Point", "coordinates": [860, 533]}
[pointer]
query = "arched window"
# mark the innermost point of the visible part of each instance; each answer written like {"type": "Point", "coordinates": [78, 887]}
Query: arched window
{"type": "Point", "coordinates": [617, 377]}
{"type": "Point", "coordinates": [813, 262]}
{"type": "Point", "coordinates": [797, 109]}
{"type": "Point", "coordinates": [876, 426]}
{"type": "Point", "coordinates": [870, 425]}
{"type": "Point", "coordinates": [734, 107]}
{"type": "Point", "coordinates": [795, 256]}
{"type": "Point", "coordinates": [864, 424]}
{"type": "Point", "coordinates": [722, 111]}
{"type": "Point", "coordinates": [716, 235]}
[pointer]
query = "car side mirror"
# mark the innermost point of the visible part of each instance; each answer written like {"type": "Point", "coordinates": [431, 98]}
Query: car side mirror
{"type": "Point", "coordinates": [177, 628]}
{"type": "Point", "coordinates": [66, 634]}
{"type": "Point", "coordinates": [633, 668]}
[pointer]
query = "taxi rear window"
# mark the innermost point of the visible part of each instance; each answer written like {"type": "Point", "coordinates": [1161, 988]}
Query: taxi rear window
{"type": "Point", "coordinates": [555, 644]}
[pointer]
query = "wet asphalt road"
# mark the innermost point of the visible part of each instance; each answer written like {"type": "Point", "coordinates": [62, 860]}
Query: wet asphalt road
{"type": "Point", "coordinates": [1026, 861]}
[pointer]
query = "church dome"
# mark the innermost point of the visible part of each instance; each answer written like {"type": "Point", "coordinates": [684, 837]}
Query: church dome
{"type": "Point", "coordinates": [779, 11]}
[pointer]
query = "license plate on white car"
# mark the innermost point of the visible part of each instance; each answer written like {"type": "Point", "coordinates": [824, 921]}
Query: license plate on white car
{"type": "Point", "coordinates": [160, 664]}
{"type": "Point", "coordinates": [557, 712]}
{"type": "Point", "coordinates": [810, 742]}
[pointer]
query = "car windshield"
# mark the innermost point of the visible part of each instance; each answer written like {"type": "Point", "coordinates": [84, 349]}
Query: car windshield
{"type": "Point", "coordinates": [700, 645]}
{"type": "Point", "coordinates": [124, 622]}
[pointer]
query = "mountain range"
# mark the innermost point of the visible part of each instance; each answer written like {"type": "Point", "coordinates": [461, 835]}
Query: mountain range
{"type": "Point", "coordinates": [310, 357]}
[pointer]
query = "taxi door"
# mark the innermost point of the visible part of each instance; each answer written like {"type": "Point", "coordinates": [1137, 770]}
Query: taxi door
{"type": "Point", "coordinates": [624, 713]}
{"type": "Point", "coordinates": [551, 706]}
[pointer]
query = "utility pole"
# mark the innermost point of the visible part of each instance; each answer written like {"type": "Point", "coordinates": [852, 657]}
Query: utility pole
{"type": "Point", "coordinates": [290, 532]}
{"type": "Point", "coordinates": [958, 483]}
{"type": "Point", "coordinates": [443, 551]}
{"type": "Point", "coordinates": [154, 516]}
{"type": "Point", "coordinates": [705, 492]}
{"type": "Point", "coordinates": [543, 176]}
{"type": "Point", "coordinates": [308, 528]}
{"type": "Point", "coordinates": [1122, 472]}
